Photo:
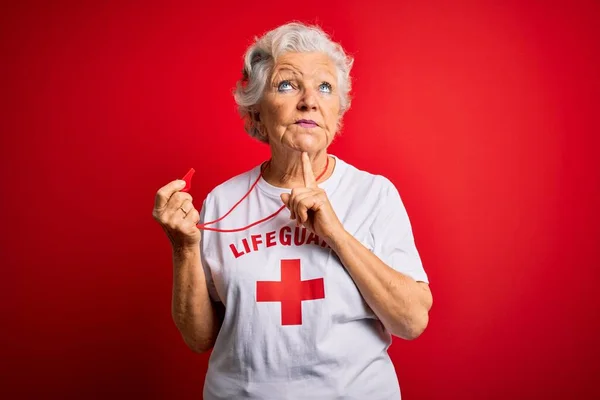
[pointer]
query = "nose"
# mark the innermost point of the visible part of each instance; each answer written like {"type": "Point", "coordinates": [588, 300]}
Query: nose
{"type": "Point", "coordinates": [308, 101]}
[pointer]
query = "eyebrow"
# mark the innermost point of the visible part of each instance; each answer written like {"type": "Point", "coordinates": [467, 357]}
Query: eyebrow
{"type": "Point", "coordinates": [321, 74]}
{"type": "Point", "coordinates": [287, 69]}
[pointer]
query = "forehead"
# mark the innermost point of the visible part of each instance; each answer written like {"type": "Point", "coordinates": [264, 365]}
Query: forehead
{"type": "Point", "coordinates": [305, 64]}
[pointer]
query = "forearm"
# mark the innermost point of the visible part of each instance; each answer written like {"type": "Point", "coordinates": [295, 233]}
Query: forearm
{"type": "Point", "coordinates": [400, 302]}
{"type": "Point", "coordinates": [191, 307]}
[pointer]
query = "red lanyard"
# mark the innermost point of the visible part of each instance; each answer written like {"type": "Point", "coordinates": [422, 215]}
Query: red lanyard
{"type": "Point", "coordinates": [188, 184]}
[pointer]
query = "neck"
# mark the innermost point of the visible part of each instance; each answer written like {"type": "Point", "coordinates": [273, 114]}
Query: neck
{"type": "Point", "coordinates": [286, 170]}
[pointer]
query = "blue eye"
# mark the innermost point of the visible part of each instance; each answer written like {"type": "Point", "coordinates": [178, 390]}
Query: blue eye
{"type": "Point", "coordinates": [325, 87]}
{"type": "Point", "coordinates": [284, 86]}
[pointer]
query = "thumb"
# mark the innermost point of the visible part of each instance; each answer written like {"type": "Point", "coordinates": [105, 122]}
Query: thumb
{"type": "Point", "coordinates": [285, 197]}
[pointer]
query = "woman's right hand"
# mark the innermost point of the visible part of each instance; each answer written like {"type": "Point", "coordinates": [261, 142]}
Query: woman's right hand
{"type": "Point", "coordinates": [174, 211]}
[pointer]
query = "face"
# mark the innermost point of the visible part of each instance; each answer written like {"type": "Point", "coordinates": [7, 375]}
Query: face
{"type": "Point", "coordinates": [300, 107]}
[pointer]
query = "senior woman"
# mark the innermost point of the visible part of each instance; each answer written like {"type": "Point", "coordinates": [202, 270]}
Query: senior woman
{"type": "Point", "coordinates": [309, 264]}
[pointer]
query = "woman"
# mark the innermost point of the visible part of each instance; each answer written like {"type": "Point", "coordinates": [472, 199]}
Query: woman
{"type": "Point", "coordinates": [302, 304]}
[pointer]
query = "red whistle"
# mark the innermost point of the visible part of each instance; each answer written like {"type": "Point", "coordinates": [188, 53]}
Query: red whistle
{"type": "Point", "coordinates": [188, 180]}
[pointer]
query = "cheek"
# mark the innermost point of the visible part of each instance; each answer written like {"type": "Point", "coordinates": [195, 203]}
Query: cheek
{"type": "Point", "coordinates": [332, 112]}
{"type": "Point", "coordinates": [270, 114]}
{"type": "Point", "coordinates": [277, 112]}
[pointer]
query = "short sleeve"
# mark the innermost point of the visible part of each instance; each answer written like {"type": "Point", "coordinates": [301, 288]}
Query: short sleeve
{"type": "Point", "coordinates": [210, 283]}
{"type": "Point", "coordinates": [393, 238]}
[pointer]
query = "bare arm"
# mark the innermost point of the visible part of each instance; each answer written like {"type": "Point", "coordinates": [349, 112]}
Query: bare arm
{"type": "Point", "coordinates": [195, 315]}
{"type": "Point", "coordinates": [401, 303]}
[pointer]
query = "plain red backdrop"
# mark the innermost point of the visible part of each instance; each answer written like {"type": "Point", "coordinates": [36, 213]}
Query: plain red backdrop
{"type": "Point", "coordinates": [485, 116]}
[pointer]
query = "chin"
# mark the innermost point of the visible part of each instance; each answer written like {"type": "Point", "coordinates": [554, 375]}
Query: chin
{"type": "Point", "coordinates": [309, 140]}
{"type": "Point", "coordinates": [310, 145]}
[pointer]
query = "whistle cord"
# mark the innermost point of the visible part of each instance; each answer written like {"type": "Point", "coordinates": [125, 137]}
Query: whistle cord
{"type": "Point", "coordinates": [188, 180]}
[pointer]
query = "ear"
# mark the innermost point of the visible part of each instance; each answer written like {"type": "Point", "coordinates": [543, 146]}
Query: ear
{"type": "Point", "coordinates": [261, 131]}
{"type": "Point", "coordinates": [255, 118]}
{"type": "Point", "coordinates": [254, 112]}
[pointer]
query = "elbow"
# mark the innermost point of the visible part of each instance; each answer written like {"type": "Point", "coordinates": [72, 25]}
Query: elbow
{"type": "Point", "coordinates": [412, 329]}
{"type": "Point", "coordinates": [417, 328]}
{"type": "Point", "coordinates": [419, 322]}
{"type": "Point", "coordinates": [192, 340]}
{"type": "Point", "coordinates": [196, 346]}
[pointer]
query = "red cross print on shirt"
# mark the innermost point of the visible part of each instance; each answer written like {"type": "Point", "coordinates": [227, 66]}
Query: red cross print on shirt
{"type": "Point", "coordinates": [290, 291]}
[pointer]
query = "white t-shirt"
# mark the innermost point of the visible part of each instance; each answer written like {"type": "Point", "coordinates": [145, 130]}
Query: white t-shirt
{"type": "Point", "coordinates": [296, 326]}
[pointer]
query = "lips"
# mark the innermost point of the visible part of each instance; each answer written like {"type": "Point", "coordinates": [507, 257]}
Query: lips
{"type": "Point", "coordinates": [306, 123]}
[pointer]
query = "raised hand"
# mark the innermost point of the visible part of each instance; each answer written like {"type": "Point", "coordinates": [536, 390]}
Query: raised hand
{"type": "Point", "coordinates": [310, 205]}
{"type": "Point", "coordinates": [174, 211]}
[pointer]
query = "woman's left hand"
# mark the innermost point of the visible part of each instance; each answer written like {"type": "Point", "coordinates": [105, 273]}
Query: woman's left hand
{"type": "Point", "coordinates": [310, 206]}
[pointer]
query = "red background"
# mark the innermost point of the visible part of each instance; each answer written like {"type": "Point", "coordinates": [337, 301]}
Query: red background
{"type": "Point", "coordinates": [485, 116]}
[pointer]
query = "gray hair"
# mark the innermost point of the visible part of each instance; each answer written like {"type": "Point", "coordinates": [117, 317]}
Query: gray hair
{"type": "Point", "coordinates": [262, 54]}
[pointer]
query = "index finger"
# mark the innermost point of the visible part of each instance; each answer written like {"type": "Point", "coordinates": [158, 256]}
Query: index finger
{"type": "Point", "coordinates": [309, 176]}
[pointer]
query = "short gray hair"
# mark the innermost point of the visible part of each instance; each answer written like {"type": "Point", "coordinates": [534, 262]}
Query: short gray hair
{"type": "Point", "coordinates": [262, 54]}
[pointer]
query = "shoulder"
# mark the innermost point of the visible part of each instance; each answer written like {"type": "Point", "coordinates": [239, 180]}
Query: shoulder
{"type": "Point", "coordinates": [377, 184]}
{"type": "Point", "coordinates": [377, 193]}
